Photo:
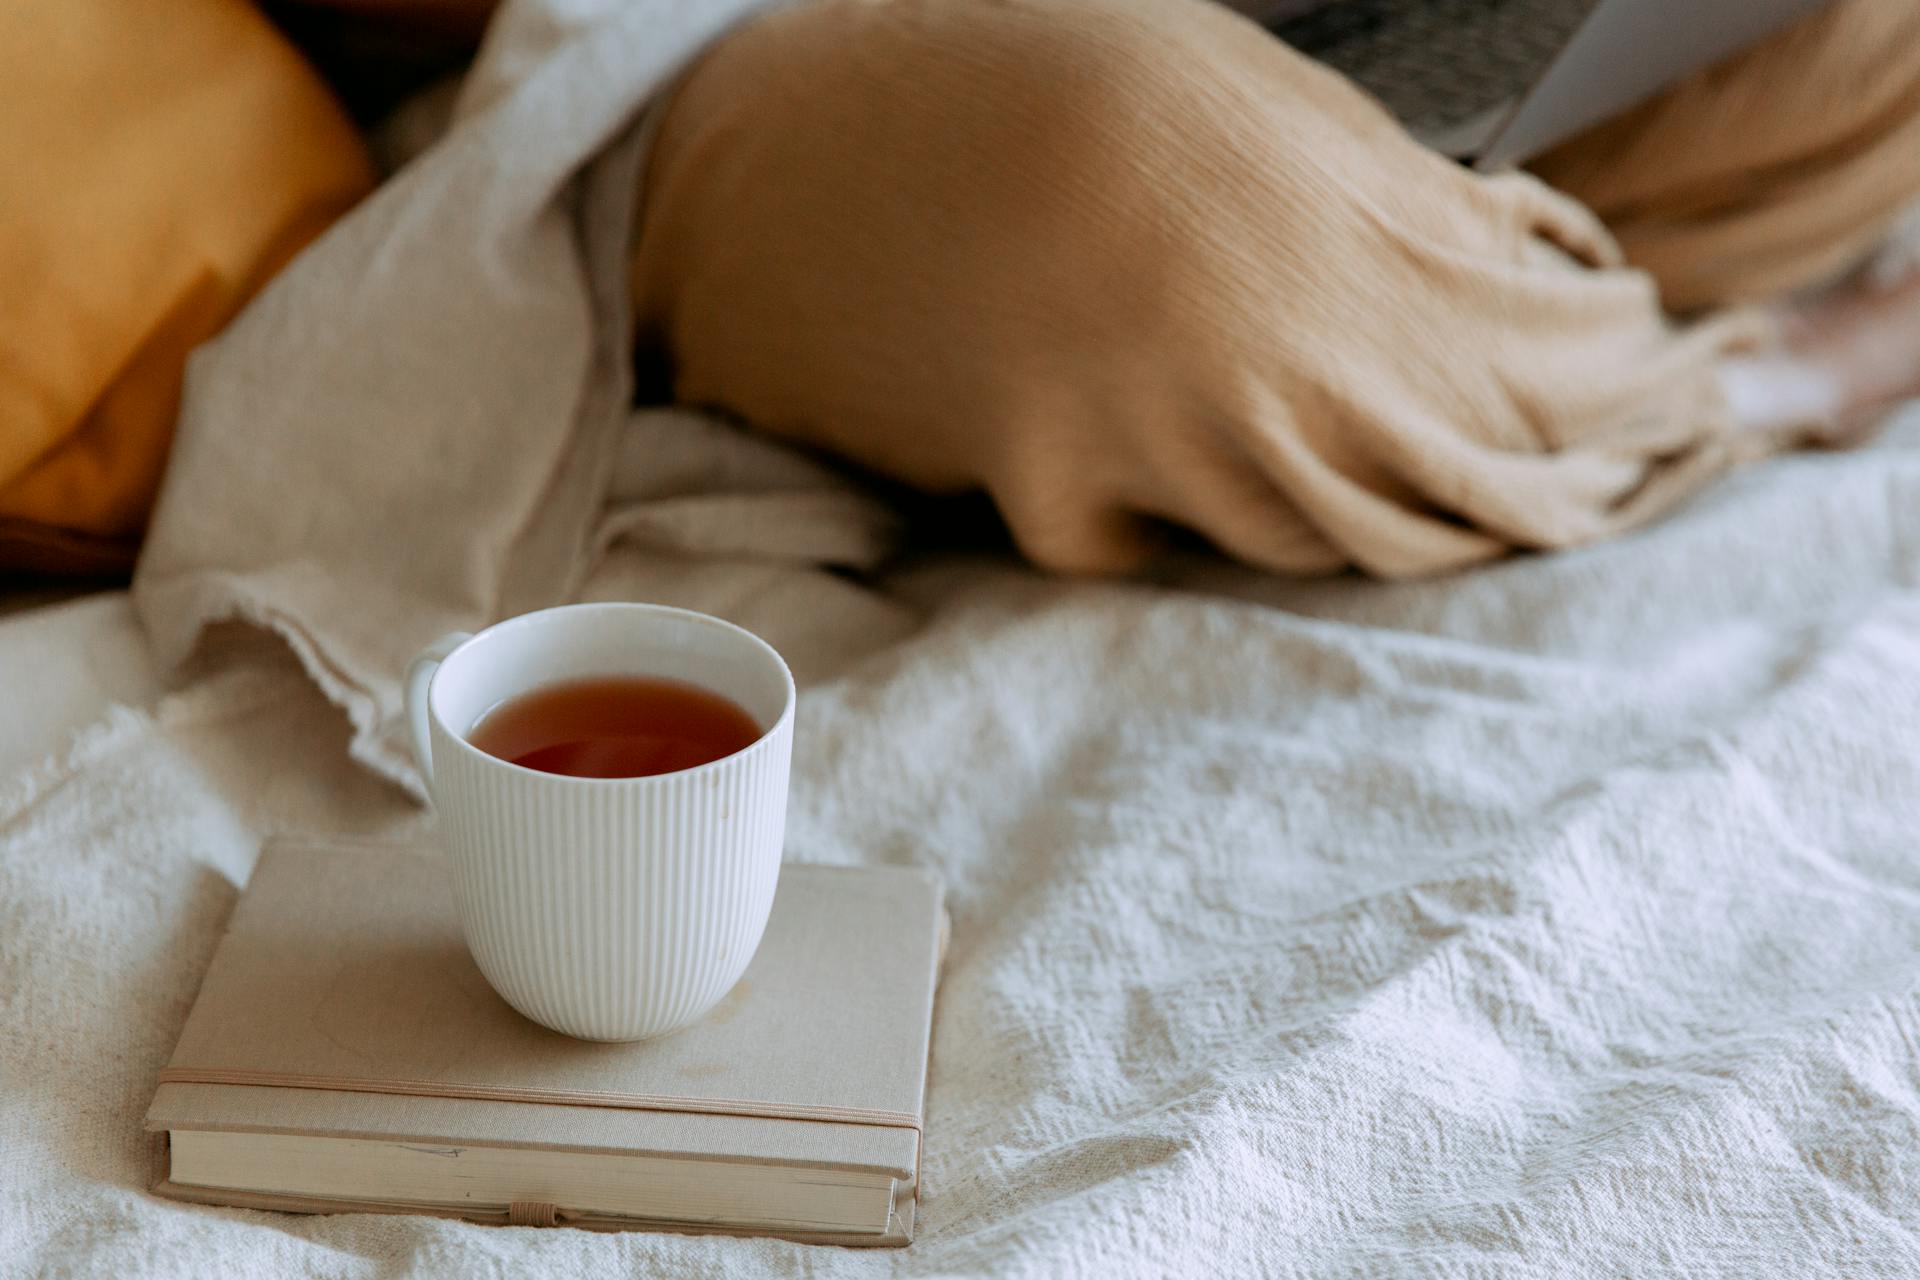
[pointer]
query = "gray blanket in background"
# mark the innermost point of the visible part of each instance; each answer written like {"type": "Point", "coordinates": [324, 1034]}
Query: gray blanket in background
{"type": "Point", "coordinates": [1435, 64]}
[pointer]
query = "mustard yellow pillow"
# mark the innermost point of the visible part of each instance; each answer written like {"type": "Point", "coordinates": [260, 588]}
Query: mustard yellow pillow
{"type": "Point", "coordinates": [158, 163]}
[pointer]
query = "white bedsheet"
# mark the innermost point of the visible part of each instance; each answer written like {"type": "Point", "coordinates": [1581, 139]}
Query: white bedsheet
{"type": "Point", "coordinates": [1558, 920]}
{"type": "Point", "coordinates": [65, 663]}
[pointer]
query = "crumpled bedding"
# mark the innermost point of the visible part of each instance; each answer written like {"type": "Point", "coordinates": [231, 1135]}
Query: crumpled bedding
{"type": "Point", "coordinates": [1561, 919]}
{"type": "Point", "coordinates": [1558, 919]}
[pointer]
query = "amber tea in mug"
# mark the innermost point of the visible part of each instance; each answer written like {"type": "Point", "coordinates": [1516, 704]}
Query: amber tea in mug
{"type": "Point", "coordinates": [614, 727]}
{"type": "Point", "coordinates": [617, 887]}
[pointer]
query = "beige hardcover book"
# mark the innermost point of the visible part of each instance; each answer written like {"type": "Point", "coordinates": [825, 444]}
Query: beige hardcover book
{"type": "Point", "coordinates": [346, 1055]}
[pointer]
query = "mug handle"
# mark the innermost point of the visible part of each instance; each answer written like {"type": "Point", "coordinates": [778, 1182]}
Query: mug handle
{"type": "Point", "coordinates": [419, 678]}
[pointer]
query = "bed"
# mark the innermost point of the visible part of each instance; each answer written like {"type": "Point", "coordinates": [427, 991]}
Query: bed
{"type": "Point", "coordinates": [1561, 918]}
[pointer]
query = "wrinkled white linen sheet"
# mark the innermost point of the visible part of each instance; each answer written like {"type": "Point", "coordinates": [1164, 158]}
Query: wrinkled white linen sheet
{"type": "Point", "coordinates": [1561, 919]}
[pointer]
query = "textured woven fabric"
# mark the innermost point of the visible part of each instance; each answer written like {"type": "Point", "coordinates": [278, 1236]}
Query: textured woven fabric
{"type": "Point", "coordinates": [1561, 920]}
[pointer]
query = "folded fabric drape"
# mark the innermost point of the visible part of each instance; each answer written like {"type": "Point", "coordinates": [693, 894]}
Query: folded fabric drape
{"type": "Point", "coordinates": [1119, 261]}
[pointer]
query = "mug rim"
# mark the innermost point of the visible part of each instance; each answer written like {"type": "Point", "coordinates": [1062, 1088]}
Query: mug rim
{"type": "Point", "coordinates": [535, 617]}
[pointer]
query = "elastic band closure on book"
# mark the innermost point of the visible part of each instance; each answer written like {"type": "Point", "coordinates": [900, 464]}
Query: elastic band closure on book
{"type": "Point", "coordinates": [534, 1213]}
{"type": "Point", "coordinates": [552, 1097]}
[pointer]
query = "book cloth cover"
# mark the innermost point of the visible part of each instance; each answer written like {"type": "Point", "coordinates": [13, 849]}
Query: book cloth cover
{"type": "Point", "coordinates": [342, 1002]}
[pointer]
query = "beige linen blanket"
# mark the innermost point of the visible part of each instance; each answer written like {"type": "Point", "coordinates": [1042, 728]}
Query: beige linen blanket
{"type": "Point", "coordinates": [409, 430]}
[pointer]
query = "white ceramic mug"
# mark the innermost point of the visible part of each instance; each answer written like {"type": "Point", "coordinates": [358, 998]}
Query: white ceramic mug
{"type": "Point", "coordinates": [606, 908]}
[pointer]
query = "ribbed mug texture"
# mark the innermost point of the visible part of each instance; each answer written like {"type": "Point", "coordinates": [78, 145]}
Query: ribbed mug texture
{"type": "Point", "coordinates": [615, 909]}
